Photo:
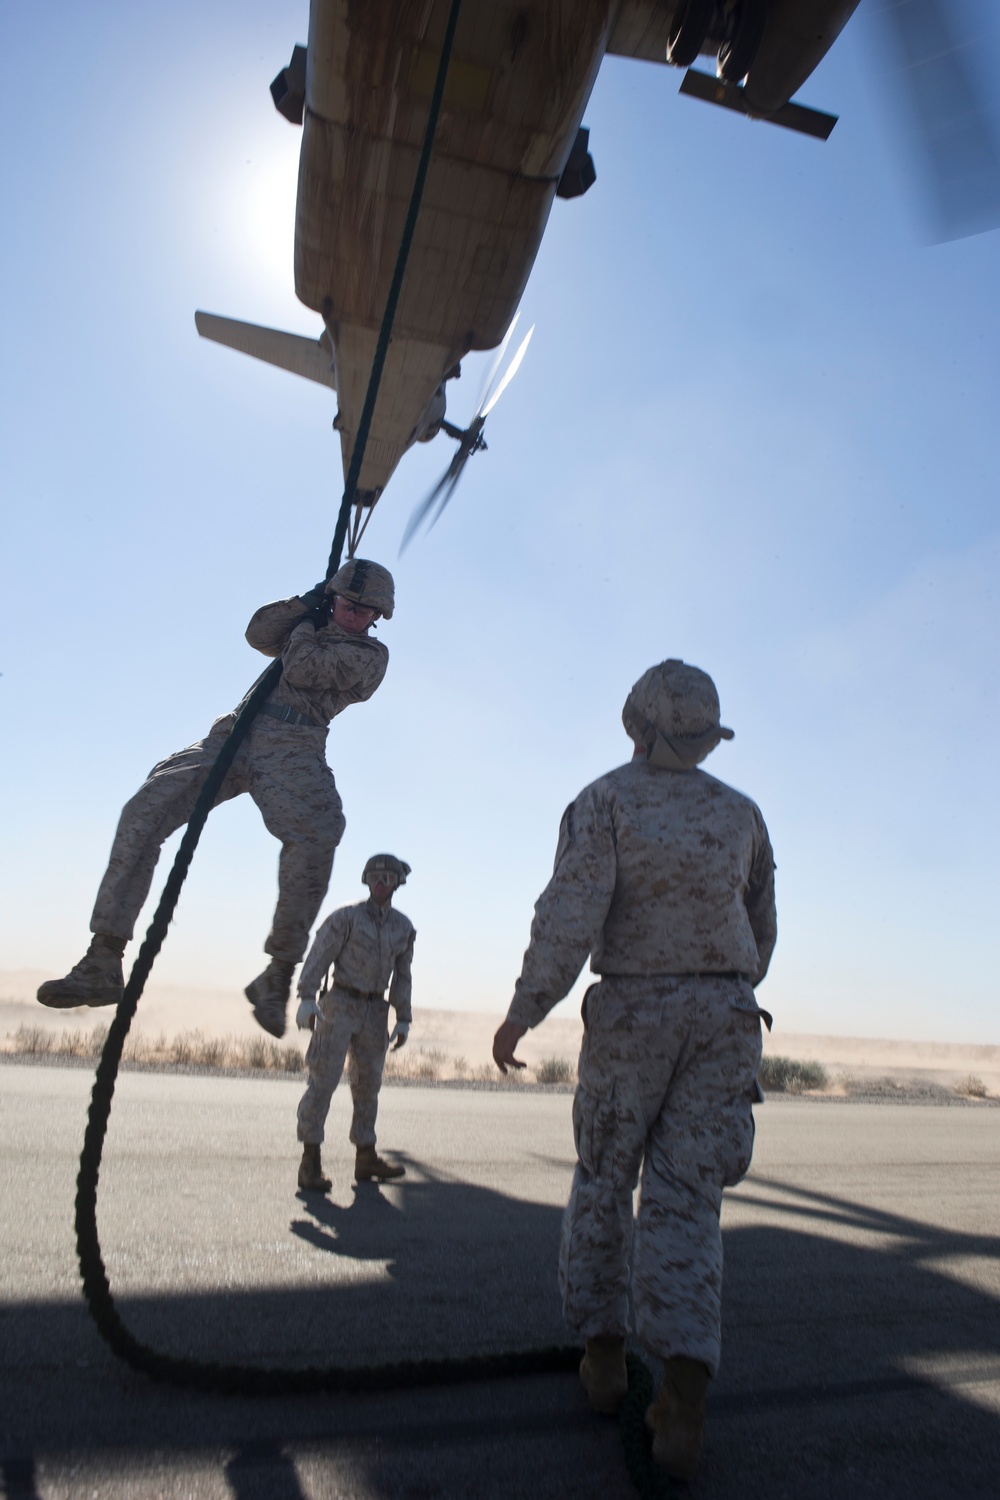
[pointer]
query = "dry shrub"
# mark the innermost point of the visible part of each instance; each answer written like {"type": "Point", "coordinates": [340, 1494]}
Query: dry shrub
{"type": "Point", "coordinates": [89, 1044]}
{"type": "Point", "coordinates": [460, 1067]}
{"type": "Point", "coordinates": [32, 1041]}
{"type": "Point", "coordinates": [554, 1070]}
{"type": "Point", "coordinates": [262, 1055]}
{"type": "Point", "coordinates": [183, 1048]}
{"type": "Point", "coordinates": [396, 1066]}
{"type": "Point", "coordinates": [428, 1064]}
{"type": "Point", "coordinates": [784, 1075]}
{"type": "Point", "coordinates": [189, 1049]}
{"type": "Point", "coordinates": [255, 1053]}
{"type": "Point", "coordinates": [971, 1087]}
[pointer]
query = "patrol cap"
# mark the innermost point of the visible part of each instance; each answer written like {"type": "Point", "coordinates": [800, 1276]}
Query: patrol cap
{"type": "Point", "coordinates": [385, 864]}
{"type": "Point", "coordinates": [676, 703]}
{"type": "Point", "coordinates": [366, 583]}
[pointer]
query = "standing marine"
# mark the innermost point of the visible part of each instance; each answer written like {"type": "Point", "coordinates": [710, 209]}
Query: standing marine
{"type": "Point", "coordinates": [665, 877]}
{"type": "Point", "coordinates": [329, 661]}
{"type": "Point", "coordinates": [370, 946]}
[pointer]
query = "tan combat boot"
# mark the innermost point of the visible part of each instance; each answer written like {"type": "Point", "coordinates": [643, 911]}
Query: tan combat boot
{"type": "Point", "coordinates": [311, 1176]}
{"type": "Point", "coordinates": [96, 980]}
{"type": "Point", "coordinates": [677, 1416]}
{"type": "Point", "coordinates": [368, 1164]}
{"type": "Point", "coordinates": [268, 994]}
{"type": "Point", "coordinates": [603, 1372]}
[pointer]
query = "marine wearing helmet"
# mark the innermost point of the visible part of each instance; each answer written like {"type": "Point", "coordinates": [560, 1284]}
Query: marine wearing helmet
{"type": "Point", "coordinates": [674, 711]}
{"type": "Point", "coordinates": [364, 582]}
{"type": "Point", "coordinates": [385, 865]}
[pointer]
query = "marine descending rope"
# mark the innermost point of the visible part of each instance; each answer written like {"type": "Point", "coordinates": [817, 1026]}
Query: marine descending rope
{"type": "Point", "coordinates": [233, 1379]}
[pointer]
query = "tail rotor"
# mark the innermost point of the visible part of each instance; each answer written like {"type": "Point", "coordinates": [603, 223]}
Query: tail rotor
{"type": "Point", "coordinates": [470, 439]}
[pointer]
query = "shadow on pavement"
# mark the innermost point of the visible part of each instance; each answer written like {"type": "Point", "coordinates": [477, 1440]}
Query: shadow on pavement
{"type": "Point", "coordinates": [263, 1471]}
{"type": "Point", "coordinates": [860, 1356]}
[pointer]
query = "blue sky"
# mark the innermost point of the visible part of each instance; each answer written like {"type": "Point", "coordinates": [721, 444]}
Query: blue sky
{"type": "Point", "coordinates": [754, 429]}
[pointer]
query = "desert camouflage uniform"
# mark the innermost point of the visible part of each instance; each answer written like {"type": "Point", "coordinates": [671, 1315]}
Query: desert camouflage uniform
{"type": "Point", "coordinates": [666, 879]}
{"type": "Point", "coordinates": [368, 945]}
{"type": "Point", "coordinates": [282, 766]}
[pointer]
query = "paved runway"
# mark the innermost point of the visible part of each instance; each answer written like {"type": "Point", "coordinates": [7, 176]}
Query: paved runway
{"type": "Point", "coordinates": [862, 1303]}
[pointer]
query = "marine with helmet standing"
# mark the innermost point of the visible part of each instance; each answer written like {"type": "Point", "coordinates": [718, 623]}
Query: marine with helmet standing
{"type": "Point", "coordinates": [370, 946]}
{"type": "Point", "coordinates": [329, 661]}
{"type": "Point", "coordinates": [665, 877]}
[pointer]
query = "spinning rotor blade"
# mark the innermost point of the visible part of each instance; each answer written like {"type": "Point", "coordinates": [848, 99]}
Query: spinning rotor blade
{"type": "Point", "coordinates": [448, 478]}
{"type": "Point", "coordinates": [512, 370]}
{"type": "Point", "coordinates": [470, 441]}
{"type": "Point", "coordinates": [449, 490]}
{"type": "Point", "coordinates": [497, 362]}
{"type": "Point", "coordinates": [955, 143]}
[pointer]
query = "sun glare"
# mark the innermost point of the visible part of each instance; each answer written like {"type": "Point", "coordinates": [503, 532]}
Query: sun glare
{"type": "Point", "coordinates": [265, 212]}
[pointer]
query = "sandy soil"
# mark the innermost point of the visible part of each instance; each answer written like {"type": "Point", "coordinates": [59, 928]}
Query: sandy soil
{"type": "Point", "coordinates": [469, 1034]}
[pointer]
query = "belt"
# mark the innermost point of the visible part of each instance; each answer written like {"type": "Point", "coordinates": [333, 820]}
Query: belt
{"type": "Point", "coordinates": [727, 974]}
{"type": "Point", "coordinates": [288, 715]}
{"type": "Point", "coordinates": [348, 989]}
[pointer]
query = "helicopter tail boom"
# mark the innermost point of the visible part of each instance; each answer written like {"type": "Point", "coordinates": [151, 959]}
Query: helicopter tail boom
{"type": "Point", "coordinates": [310, 358]}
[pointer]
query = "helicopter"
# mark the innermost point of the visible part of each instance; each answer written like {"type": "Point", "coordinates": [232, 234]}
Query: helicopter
{"type": "Point", "coordinates": [510, 140]}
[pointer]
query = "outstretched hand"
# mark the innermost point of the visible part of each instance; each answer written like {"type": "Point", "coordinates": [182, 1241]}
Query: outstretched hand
{"type": "Point", "coordinates": [507, 1037]}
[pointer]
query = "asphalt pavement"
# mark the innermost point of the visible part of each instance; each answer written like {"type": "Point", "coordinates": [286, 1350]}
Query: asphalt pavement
{"type": "Point", "coordinates": [861, 1322]}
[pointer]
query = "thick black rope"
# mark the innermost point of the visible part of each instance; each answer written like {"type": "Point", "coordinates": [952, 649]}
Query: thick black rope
{"type": "Point", "coordinates": [392, 301]}
{"type": "Point", "coordinates": [96, 1288]}
{"type": "Point", "coordinates": [238, 1379]}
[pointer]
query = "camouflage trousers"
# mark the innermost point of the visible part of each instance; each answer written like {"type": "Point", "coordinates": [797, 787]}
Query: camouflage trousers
{"type": "Point", "coordinates": [283, 768]}
{"type": "Point", "coordinates": [666, 1076]}
{"type": "Point", "coordinates": [346, 1029]}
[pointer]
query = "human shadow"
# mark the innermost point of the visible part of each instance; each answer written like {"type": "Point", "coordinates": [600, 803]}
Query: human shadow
{"type": "Point", "coordinates": [17, 1476]}
{"type": "Point", "coordinates": [860, 1356]}
{"type": "Point", "coordinates": [428, 1220]}
{"type": "Point", "coordinates": [263, 1471]}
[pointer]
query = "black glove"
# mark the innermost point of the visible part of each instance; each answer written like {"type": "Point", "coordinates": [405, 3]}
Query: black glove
{"type": "Point", "coordinates": [319, 605]}
{"type": "Point", "coordinates": [316, 597]}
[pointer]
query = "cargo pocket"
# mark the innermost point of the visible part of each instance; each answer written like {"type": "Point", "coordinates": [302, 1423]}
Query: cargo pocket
{"type": "Point", "coordinates": [738, 1138]}
{"type": "Point", "coordinates": [740, 1127]}
{"type": "Point", "coordinates": [313, 1049]}
{"type": "Point", "coordinates": [594, 1114]}
{"type": "Point", "coordinates": [319, 1043]}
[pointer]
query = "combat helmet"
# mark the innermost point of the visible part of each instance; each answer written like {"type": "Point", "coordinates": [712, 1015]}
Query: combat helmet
{"type": "Point", "coordinates": [385, 864]}
{"type": "Point", "coordinates": [366, 583]}
{"type": "Point", "coordinates": [674, 711]}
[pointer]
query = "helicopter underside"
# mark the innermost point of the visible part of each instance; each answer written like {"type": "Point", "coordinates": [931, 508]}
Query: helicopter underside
{"type": "Point", "coordinates": [504, 136]}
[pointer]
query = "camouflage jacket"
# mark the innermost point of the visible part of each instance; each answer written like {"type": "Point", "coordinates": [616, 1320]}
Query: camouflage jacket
{"type": "Point", "coordinates": [367, 945]}
{"type": "Point", "coordinates": [323, 670]}
{"type": "Point", "coordinates": [656, 872]}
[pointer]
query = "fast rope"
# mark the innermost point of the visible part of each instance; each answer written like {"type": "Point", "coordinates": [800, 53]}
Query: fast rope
{"type": "Point", "coordinates": [232, 1379]}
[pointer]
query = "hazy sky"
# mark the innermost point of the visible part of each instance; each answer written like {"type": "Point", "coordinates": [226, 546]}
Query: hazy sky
{"type": "Point", "coordinates": [755, 429]}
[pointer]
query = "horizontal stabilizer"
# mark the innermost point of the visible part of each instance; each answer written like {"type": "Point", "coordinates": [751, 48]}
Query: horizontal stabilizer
{"type": "Point", "coordinates": [310, 358]}
{"type": "Point", "coordinates": [793, 116]}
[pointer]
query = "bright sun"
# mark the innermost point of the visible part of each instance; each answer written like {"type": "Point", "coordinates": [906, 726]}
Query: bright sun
{"type": "Point", "coordinates": [265, 211]}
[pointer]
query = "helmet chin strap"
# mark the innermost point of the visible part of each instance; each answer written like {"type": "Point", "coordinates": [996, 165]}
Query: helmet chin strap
{"type": "Point", "coordinates": [682, 752]}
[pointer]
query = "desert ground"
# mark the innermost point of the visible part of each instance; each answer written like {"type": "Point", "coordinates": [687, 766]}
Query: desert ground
{"type": "Point", "coordinates": [466, 1036]}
